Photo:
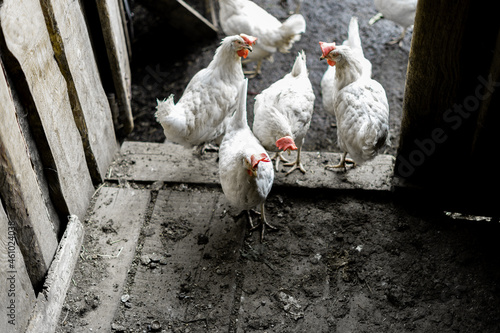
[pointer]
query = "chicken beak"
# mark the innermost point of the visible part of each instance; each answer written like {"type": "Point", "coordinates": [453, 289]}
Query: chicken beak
{"type": "Point", "coordinates": [249, 48]}
{"type": "Point", "coordinates": [252, 172]}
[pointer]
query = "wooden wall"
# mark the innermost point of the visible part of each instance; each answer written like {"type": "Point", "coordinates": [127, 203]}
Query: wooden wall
{"type": "Point", "coordinates": [449, 132]}
{"type": "Point", "coordinates": [58, 133]}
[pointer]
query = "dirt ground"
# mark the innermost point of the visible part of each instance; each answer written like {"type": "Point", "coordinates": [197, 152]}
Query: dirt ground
{"type": "Point", "coordinates": [163, 65]}
{"type": "Point", "coordinates": [341, 261]}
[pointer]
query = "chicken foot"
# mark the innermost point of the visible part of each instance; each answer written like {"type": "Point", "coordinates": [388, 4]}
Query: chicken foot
{"type": "Point", "coordinates": [296, 164]}
{"type": "Point", "coordinates": [262, 224]}
{"type": "Point", "coordinates": [207, 147]}
{"type": "Point", "coordinates": [342, 163]}
{"type": "Point", "coordinates": [255, 72]}
{"type": "Point", "coordinates": [398, 39]}
{"type": "Point", "coordinates": [279, 157]}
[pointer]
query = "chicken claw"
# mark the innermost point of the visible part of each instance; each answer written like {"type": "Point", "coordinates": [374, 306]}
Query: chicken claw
{"type": "Point", "coordinates": [263, 223]}
{"type": "Point", "coordinates": [342, 163]}
{"type": "Point", "coordinates": [398, 40]}
{"type": "Point", "coordinates": [254, 72]}
{"type": "Point", "coordinates": [296, 164]}
{"type": "Point", "coordinates": [279, 157]}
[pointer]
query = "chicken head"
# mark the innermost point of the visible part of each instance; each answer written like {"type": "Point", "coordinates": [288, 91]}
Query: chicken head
{"type": "Point", "coordinates": [244, 45]}
{"type": "Point", "coordinates": [286, 143]}
{"type": "Point", "coordinates": [253, 164]}
{"type": "Point", "coordinates": [326, 48]}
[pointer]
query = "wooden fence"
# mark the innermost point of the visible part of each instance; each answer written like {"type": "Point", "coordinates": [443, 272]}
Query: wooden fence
{"type": "Point", "coordinates": [64, 106]}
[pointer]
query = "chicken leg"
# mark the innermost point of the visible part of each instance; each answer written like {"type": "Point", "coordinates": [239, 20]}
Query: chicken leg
{"type": "Point", "coordinates": [279, 157]}
{"type": "Point", "coordinates": [399, 39]}
{"type": "Point", "coordinates": [296, 164]}
{"type": "Point", "coordinates": [342, 163]}
{"type": "Point", "coordinates": [263, 223]}
{"type": "Point", "coordinates": [254, 72]}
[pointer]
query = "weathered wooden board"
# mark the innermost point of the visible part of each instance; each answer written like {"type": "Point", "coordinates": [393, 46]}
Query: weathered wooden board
{"type": "Point", "coordinates": [184, 18]}
{"type": "Point", "coordinates": [49, 302]}
{"type": "Point", "coordinates": [116, 47]}
{"type": "Point", "coordinates": [21, 193]}
{"type": "Point", "coordinates": [188, 229]}
{"type": "Point", "coordinates": [17, 295]}
{"type": "Point", "coordinates": [172, 163]}
{"type": "Point", "coordinates": [210, 10]}
{"type": "Point", "coordinates": [115, 225]}
{"type": "Point", "coordinates": [73, 50]}
{"type": "Point", "coordinates": [21, 18]}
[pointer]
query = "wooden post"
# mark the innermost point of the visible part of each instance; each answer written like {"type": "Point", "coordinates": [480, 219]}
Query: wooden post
{"type": "Point", "coordinates": [451, 81]}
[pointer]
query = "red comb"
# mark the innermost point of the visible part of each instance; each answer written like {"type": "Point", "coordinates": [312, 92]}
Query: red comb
{"type": "Point", "coordinates": [286, 143]}
{"type": "Point", "coordinates": [250, 40]}
{"type": "Point", "coordinates": [256, 158]}
{"type": "Point", "coordinates": [326, 48]}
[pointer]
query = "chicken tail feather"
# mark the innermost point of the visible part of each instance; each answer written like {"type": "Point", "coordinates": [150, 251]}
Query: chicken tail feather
{"type": "Point", "coordinates": [164, 107]}
{"type": "Point", "coordinates": [291, 30]}
{"type": "Point", "coordinates": [354, 41]}
{"type": "Point", "coordinates": [300, 66]}
{"type": "Point", "coordinates": [174, 123]}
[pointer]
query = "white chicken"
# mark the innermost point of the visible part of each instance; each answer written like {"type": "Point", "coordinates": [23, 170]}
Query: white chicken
{"type": "Point", "coordinates": [246, 174]}
{"type": "Point", "coordinates": [360, 106]}
{"type": "Point", "coordinates": [283, 112]}
{"type": "Point", "coordinates": [328, 86]}
{"type": "Point", "coordinates": [244, 16]}
{"type": "Point", "coordinates": [401, 12]}
{"type": "Point", "coordinates": [200, 116]}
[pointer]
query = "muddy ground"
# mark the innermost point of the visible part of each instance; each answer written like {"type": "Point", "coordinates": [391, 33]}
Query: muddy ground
{"type": "Point", "coordinates": [340, 262]}
{"type": "Point", "coordinates": [163, 64]}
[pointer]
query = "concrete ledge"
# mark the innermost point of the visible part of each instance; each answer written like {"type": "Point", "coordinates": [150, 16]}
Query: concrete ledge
{"type": "Point", "coordinates": [167, 162]}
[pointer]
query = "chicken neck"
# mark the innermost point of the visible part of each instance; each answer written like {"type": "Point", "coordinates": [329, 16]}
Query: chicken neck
{"type": "Point", "coordinates": [348, 71]}
{"type": "Point", "coordinates": [226, 63]}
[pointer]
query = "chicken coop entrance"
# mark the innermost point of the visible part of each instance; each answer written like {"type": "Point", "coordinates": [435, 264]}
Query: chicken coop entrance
{"type": "Point", "coordinates": [145, 223]}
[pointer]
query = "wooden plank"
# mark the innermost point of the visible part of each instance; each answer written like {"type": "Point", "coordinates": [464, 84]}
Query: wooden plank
{"type": "Point", "coordinates": [21, 193]}
{"type": "Point", "coordinates": [49, 302]}
{"type": "Point", "coordinates": [17, 294]}
{"type": "Point", "coordinates": [115, 225]}
{"type": "Point", "coordinates": [184, 18]}
{"type": "Point", "coordinates": [210, 10]}
{"type": "Point", "coordinates": [116, 48]}
{"type": "Point", "coordinates": [49, 92]}
{"type": "Point", "coordinates": [73, 50]}
{"type": "Point", "coordinates": [190, 227]}
{"type": "Point", "coordinates": [172, 163]}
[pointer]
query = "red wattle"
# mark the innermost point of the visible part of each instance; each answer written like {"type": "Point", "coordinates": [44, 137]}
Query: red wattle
{"type": "Point", "coordinates": [243, 53]}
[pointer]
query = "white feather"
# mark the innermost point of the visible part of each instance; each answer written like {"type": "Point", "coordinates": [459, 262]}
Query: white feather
{"type": "Point", "coordinates": [243, 191]}
{"type": "Point", "coordinates": [209, 98]}
{"type": "Point", "coordinates": [285, 108]}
